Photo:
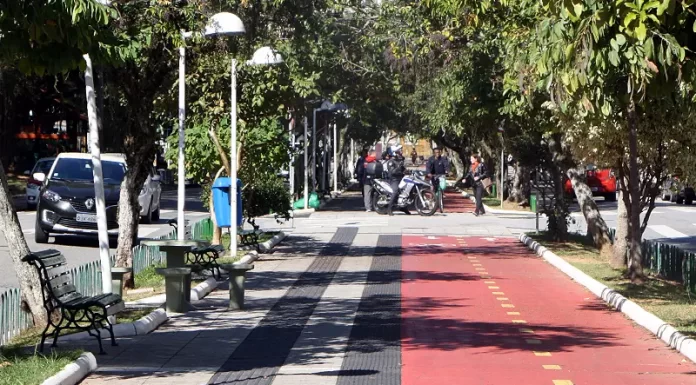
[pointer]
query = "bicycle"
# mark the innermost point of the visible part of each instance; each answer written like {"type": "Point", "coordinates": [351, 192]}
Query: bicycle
{"type": "Point", "coordinates": [440, 185]}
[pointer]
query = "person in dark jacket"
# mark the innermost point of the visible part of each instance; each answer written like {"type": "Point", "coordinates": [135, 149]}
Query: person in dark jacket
{"type": "Point", "coordinates": [367, 181]}
{"type": "Point", "coordinates": [477, 173]}
{"type": "Point", "coordinates": [437, 165]}
{"type": "Point", "coordinates": [395, 172]}
{"type": "Point", "coordinates": [360, 171]}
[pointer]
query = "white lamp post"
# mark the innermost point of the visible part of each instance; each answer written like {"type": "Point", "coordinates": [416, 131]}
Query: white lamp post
{"type": "Point", "coordinates": [225, 23]}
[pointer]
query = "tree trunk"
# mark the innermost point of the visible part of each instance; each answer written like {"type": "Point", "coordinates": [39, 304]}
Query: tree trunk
{"type": "Point", "coordinates": [558, 224]}
{"type": "Point", "coordinates": [597, 228]}
{"type": "Point", "coordinates": [618, 259]}
{"type": "Point", "coordinates": [217, 231]}
{"type": "Point", "coordinates": [635, 266]}
{"type": "Point", "coordinates": [129, 215]}
{"type": "Point", "coordinates": [458, 166]}
{"type": "Point", "coordinates": [516, 192]}
{"type": "Point", "coordinates": [17, 246]}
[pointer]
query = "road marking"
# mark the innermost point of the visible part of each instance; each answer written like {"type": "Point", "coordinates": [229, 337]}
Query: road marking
{"type": "Point", "coordinates": [508, 305]}
{"type": "Point", "coordinates": [480, 268]}
{"type": "Point", "coordinates": [562, 382]}
{"type": "Point", "coordinates": [498, 293]}
{"type": "Point", "coordinates": [489, 282]}
{"type": "Point", "coordinates": [31, 231]}
{"type": "Point", "coordinates": [493, 287]}
{"type": "Point", "coordinates": [519, 321]}
{"type": "Point", "coordinates": [528, 331]}
{"type": "Point", "coordinates": [471, 257]}
{"type": "Point", "coordinates": [533, 341]}
{"type": "Point", "coordinates": [477, 264]}
{"type": "Point", "coordinates": [681, 209]}
{"type": "Point", "coordinates": [552, 367]}
{"type": "Point", "coordinates": [667, 231]}
{"type": "Point", "coordinates": [513, 313]}
{"type": "Point", "coordinates": [542, 354]}
{"type": "Point", "coordinates": [489, 239]}
{"type": "Point", "coordinates": [502, 299]}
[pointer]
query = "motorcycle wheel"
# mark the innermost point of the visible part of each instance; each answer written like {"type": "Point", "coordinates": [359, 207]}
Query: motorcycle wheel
{"type": "Point", "coordinates": [426, 204]}
{"type": "Point", "coordinates": [380, 203]}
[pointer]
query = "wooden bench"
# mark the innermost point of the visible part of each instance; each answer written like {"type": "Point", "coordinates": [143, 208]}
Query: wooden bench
{"type": "Point", "coordinates": [67, 308]}
{"type": "Point", "coordinates": [206, 257]}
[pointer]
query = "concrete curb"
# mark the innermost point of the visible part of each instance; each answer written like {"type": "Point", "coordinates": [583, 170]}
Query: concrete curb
{"type": "Point", "coordinates": [660, 328]}
{"type": "Point", "coordinates": [203, 289]}
{"type": "Point", "coordinates": [271, 243]}
{"type": "Point", "coordinates": [265, 247]}
{"type": "Point", "coordinates": [142, 326]}
{"type": "Point", "coordinates": [74, 372]}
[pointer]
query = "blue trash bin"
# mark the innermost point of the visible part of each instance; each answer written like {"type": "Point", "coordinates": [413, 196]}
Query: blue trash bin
{"type": "Point", "coordinates": [221, 201]}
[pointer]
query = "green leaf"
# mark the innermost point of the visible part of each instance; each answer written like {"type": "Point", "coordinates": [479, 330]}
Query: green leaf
{"type": "Point", "coordinates": [614, 58]}
{"type": "Point", "coordinates": [620, 39]}
{"type": "Point", "coordinates": [694, 27]}
{"type": "Point", "coordinates": [641, 32]}
{"type": "Point", "coordinates": [614, 44]}
{"type": "Point", "coordinates": [629, 18]}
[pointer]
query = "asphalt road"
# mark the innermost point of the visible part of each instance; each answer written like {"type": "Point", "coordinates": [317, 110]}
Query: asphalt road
{"type": "Point", "coordinates": [82, 249]}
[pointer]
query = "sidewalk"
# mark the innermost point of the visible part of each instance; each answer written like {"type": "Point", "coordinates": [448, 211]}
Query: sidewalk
{"type": "Point", "coordinates": [350, 307]}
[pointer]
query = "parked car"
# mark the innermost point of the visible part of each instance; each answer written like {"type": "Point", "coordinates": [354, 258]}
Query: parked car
{"type": "Point", "coordinates": [602, 182]}
{"type": "Point", "coordinates": [66, 199]}
{"type": "Point", "coordinates": [32, 190]}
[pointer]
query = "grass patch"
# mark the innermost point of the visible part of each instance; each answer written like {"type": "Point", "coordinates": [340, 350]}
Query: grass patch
{"type": "Point", "coordinates": [148, 277]}
{"type": "Point", "coordinates": [225, 260]}
{"type": "Point", "coordinates": [666, 299]}
{"type": "Point", "coordinates": [132, 315]}
{"type": "Point", "coordinates": [19, 367]}
{"type": "Point", "coordinates": [494, 203]}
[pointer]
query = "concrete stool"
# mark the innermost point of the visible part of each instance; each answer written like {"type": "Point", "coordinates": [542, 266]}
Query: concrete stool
{"type": "Point", "coordinates": [117, 274]}
{"type": "Point", "coordinates": [177, 289]}
{"type": "Point", "coordinates": [237, 275]}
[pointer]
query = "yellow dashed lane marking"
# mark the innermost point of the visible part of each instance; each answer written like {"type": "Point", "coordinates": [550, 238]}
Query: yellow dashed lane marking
{"type": "Point", "coordinates": [513, 313]}
{"type": "Point", "coordinates": [498, 293]}
{"type": "Point", "coordinates": [562, 382]}
{"type": "Point", "coordinates": [471, 257]}
{"type": "Point", "coordinates": [508, 305]}
{"type": "Point", "coordinates": [480, 268]}
{"type": "Point", "coordinates": [477, 264]}
{"type": "Point", "coordinates": [542, 354]}
{"type": "Point", "coordinates": [489, 282]}
{"type": "Point", "coordinates": [493, 287]}
{"type": "Point", "coordinates": [519, 321]}
{"type": "Point", "coordinates": [529, 331]}
{"type": "Point", "coordinates": [552, 367]}
{"type": "Point", "coordinates": [533, 341]}
{"type": "Point", "coordinates": [502, 299]}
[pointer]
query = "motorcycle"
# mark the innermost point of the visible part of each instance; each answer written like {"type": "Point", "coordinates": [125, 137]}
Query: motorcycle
{"type": "Point", "coordinates": [413, 190]}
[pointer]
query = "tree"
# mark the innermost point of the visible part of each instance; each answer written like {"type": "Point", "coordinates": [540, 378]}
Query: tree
{"type": "Point", "coordinates": [41, 37]}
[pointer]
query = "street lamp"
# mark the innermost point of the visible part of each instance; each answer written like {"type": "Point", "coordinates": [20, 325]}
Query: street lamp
{"type": "Point", "coordinates": [227, 24]}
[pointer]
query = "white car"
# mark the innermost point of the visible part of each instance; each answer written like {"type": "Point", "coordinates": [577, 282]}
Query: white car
{"type": "Point", "coordinates": [43, 165]}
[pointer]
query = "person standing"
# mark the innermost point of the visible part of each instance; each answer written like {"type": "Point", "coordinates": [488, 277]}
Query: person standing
{"type": "Point", "coordinates": [478, 172]}
{"type": "Point", "coordinates": [367, 180]}
{"type": "Point", "coordinates": [414, 156]}
{"type": "Point", "coordinates": [360, 171]}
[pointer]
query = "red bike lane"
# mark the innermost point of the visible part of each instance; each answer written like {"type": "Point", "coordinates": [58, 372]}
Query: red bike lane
{"type": "Point", "coordinates": [487, 311]}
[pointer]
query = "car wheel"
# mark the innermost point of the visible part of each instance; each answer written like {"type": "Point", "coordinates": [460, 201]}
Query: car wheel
{"type": "Point", "coordinates": [31, 206]}
{"type": "Point", "coordinates": [610, 197]}
{"type": "Point", "coordinates": [688, 201]}
{"type": "Point", "coordinates": [147, 218]}
{"type": "Point", "coordinates": [40, 236]}
{"type": "Point", "coordinates": [680, 200]}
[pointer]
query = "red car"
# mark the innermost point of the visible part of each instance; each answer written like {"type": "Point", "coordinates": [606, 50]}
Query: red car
{"type": "Point", "coordinates": [602, 182]}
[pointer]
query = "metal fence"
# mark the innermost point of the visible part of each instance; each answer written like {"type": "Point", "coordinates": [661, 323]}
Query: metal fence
{"type": "Point", "coordinates": [668, 261]}
{"type": "Point", "coordinates": [87, 280]}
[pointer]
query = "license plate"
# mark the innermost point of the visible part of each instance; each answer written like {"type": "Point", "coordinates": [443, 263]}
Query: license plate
{"type": "Point", "coordinates": [91, 218]}
{"type": "Point", "coordinates": [594, 189]}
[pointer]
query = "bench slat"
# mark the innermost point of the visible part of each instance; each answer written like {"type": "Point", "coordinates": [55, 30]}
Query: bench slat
{"type": "Point", "coordinates": [58, 292]}
{"type": "Point", "coordinates": [57, 271]}
{"type": "Point", "coordinates": [105, 300]}
{"type": "Point", "coordinates": [70, 297]}
{"type": "Point", "coordinates": [54, 261]}
{"type": "Point", "coordinates": [41, 255]}
{"type": "Point", "coordinates": [59, 281]}
{"type": "Point", "coordinates": [115, 308]}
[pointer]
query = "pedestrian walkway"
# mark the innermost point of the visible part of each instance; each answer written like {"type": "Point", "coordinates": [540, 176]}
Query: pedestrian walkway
{"type": "Point", "coordinates": [366, 308]}
{"type": "Point", "coordinates": [456, 203]}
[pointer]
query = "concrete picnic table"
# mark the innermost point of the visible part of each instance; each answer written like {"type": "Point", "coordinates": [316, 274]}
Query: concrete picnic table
{"type": "Point", "coordinates": [177, 277]}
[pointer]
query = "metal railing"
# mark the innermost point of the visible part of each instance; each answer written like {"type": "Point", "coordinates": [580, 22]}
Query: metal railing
{"type": "Point", "coordinates": [87, 280]}
{"type": "Point", "coordinates": [668, 261]}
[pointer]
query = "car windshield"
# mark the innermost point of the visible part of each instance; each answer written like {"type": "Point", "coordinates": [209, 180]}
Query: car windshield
{"type": "Point", "coordinates": [43, 167]}
{"type": "Point", "coordinates": [74, 169]}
